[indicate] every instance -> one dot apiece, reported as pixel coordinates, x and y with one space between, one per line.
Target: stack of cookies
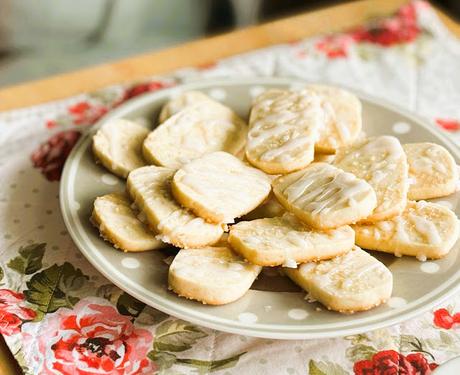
299 187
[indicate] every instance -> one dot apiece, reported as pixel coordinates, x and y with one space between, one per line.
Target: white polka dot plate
274 307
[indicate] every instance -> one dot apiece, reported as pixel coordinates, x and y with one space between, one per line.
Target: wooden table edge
201 51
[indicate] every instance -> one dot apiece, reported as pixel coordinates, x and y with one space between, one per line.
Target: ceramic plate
274 307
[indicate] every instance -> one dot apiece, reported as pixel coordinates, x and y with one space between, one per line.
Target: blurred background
46 37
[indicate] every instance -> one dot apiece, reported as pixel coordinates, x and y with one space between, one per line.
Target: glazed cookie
118 223
219 187
283 129
287 241
352 282
432 171
380 161
425 230
211 275
118 146
324 196
149 187
269 208
324 158
342 118
195 131
181 101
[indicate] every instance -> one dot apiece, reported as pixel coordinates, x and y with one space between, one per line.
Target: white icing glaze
150 189
222 186
426 228
325 189
283 125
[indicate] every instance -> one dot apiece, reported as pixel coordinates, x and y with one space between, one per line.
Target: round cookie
181 101
195 131
324 196
118 146
212 275
342 118
219 187
283 129
352 282
433 172
424 230
150 189
380 161
287 241
117 223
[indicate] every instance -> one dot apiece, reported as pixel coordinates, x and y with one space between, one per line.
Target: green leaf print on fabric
127 305
55 287
410 343
325 368
360 352
204 367
29 259
176 336
165 361
1 274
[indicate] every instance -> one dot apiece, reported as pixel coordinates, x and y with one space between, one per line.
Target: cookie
195 131
118 146
150 189
287 241
283 129
342 118
324 158
211 275
269 208
118 223
181 101
324 196
425 230
433 172
352 282
380 161
219 187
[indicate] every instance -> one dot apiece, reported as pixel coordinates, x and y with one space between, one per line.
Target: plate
274 307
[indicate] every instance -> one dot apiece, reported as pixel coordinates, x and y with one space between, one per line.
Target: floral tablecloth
60 316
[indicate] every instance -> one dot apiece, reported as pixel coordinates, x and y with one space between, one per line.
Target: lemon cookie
287 241
211 275
219 187
425 230
324 158
269 208
118 223
380 161
179 102
342 118
283 129
324 196
197 130
432 171
352 282
118 146
150 189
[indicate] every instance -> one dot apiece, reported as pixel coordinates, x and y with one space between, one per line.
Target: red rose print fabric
50 157
92 338
390 362
13 312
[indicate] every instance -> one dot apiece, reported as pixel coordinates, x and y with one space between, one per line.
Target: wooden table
201 52
195 53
